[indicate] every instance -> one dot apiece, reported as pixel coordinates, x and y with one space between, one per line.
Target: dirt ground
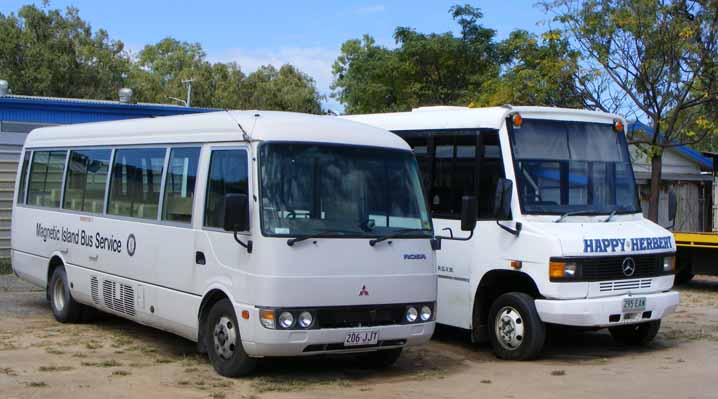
114 358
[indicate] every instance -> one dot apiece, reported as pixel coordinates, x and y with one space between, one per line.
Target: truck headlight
669 264
561 271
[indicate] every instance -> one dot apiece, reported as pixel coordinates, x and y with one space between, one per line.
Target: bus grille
95 290
360 316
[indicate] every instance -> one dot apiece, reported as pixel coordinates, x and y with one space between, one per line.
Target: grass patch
92 345
121 373
51 369
558 373
104 363
163 360
277 384
79 355
217 395
8 371
36 384
5 266
54 351
183 382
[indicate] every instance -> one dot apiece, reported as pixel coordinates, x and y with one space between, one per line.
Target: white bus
560 237
253 233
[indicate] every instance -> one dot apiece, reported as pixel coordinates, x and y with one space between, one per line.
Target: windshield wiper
394 234
574 213
319 234
608 219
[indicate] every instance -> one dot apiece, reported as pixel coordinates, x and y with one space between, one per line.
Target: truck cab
560 238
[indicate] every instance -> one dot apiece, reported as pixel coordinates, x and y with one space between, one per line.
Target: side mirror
469 212
672 209
236 212
502 200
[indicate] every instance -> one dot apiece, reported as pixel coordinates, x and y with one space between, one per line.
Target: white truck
560 237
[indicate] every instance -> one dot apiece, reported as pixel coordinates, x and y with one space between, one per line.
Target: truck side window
85 181
491 168
179 185
135 184
45 184
228 174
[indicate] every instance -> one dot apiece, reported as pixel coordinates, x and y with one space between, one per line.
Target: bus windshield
339 190
569 166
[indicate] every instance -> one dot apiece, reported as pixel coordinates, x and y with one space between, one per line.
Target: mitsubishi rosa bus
560 237
253 233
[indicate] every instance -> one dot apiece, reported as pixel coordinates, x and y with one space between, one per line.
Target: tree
54 53
425 69
535 71
649 58
285 89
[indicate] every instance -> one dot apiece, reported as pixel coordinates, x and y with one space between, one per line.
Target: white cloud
314 61
369 9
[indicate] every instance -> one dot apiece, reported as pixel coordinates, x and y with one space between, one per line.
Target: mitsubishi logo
363 291
628 267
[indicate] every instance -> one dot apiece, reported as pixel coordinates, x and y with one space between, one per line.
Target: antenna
245 135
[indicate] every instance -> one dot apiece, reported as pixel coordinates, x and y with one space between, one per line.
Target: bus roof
449 117
219 126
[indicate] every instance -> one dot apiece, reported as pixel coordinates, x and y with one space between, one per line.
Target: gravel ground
115 358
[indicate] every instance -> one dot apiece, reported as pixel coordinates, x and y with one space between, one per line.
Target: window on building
179 185
23 178
136 180
45 186
86 178
228 174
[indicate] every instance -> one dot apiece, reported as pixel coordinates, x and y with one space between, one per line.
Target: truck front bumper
606 311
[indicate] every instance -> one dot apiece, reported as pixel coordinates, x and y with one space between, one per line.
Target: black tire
511 313
636 334
64 307
225 350
380 359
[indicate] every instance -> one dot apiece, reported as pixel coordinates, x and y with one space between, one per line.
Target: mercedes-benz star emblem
629 267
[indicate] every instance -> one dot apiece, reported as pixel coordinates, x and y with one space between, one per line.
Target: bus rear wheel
515 329
636 334
64 307
224 343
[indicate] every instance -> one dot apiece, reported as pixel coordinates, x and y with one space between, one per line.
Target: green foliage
53 53
447 69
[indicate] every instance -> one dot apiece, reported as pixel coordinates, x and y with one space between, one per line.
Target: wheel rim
225 337
509 328
58 294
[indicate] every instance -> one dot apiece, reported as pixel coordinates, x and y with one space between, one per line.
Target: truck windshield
342 191
568 166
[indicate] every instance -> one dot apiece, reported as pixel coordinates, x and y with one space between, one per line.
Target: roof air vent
125 95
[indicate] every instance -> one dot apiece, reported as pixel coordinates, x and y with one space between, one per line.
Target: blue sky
305 33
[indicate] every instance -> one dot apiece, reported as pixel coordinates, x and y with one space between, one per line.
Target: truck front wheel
636 334
515 329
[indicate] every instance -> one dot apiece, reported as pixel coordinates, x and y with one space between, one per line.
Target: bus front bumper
606 311
268 342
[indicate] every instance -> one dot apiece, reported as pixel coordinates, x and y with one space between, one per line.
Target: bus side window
179 185
85 182
135 184
491 168
228 174
45 184
23 178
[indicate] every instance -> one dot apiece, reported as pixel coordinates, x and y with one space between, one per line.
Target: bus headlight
305 319
561 271
286 320
411 314
425 313
266 317
669 264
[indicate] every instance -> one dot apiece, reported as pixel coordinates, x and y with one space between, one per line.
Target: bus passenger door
219 255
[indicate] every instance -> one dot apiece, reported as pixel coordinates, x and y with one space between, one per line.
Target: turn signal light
562 270
618 126
517 120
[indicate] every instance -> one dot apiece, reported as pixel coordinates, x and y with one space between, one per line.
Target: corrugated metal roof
684 150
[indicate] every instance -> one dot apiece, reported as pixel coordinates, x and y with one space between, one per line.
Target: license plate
358 338
632 305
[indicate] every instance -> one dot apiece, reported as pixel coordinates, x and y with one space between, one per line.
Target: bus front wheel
224 343
515 329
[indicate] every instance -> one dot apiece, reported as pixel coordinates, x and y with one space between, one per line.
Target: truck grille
624 285
611 267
